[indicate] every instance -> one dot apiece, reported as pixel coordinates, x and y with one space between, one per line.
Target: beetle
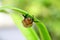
28 21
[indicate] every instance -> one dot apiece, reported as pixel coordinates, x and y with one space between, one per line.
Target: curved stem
16 9
42 29
29 33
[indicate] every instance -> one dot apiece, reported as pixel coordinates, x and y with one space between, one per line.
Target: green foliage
29 33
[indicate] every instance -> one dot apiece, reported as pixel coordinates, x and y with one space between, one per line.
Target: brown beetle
27 22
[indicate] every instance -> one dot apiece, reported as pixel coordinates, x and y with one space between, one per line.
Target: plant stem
16 9
42 29
29 33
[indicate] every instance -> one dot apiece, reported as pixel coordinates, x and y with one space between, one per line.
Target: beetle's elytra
27 22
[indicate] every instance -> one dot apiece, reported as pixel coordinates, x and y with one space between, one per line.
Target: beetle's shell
27 22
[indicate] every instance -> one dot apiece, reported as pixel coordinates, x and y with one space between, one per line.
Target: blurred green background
47 11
